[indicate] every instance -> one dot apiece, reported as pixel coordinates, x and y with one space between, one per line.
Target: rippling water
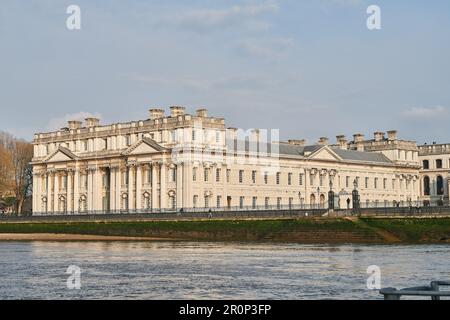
189 270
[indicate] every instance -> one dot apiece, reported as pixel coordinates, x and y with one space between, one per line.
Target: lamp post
318 197
331 196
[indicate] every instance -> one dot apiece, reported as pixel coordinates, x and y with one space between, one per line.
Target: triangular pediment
144 146
60 155
325 153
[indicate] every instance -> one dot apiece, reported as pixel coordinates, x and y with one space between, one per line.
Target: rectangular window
241 176
219 201
193 135
206 174
217 175
149 175
241 202
375 183
367 183
206 202
266 178
254 199
347 182
438 164
321 180
228 175
253 176
217 136
384 183
194 174
300 179
291 202
278 177
174 174
195 201
266 202
278 203
289 178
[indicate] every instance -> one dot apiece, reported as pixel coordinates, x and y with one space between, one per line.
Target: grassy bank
293 230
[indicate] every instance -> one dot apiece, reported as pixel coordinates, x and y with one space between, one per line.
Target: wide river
189 270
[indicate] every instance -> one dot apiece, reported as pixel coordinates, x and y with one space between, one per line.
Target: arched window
312 199
440 186
426 186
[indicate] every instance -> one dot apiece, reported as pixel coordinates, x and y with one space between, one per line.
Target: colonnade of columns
133 187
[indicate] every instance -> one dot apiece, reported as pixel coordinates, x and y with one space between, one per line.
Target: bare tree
6 172
22 153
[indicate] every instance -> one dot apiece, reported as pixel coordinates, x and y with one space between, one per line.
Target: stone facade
193 161
435 172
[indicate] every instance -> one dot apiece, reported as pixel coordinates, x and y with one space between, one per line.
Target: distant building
435 172
193 161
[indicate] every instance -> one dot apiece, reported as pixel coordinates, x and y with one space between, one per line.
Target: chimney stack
392 135
202 113
358 137
74 124
297 142
176 111
342 142
323 141
156 114
378 136
92 122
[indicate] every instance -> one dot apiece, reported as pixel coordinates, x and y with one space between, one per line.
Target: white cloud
60 122
206 19
425 112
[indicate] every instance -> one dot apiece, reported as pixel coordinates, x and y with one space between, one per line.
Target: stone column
154 187
97 190
49 192
186 186
179 195
163 191
89 191
112 189
55 193
131 188
118 187
35 192
69 192
76 190
138 187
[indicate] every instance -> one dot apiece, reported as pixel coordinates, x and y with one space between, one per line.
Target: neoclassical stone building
193 161
435 172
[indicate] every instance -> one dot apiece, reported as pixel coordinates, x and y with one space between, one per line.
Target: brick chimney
323 141
176 111
392 135
92 122
156 113
342 141
202 113
378 136
297 142
74 124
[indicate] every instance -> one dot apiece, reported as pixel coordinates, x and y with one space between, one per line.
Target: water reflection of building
192 161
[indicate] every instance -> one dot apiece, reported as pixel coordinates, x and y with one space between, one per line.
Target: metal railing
184 211
168 214
432 291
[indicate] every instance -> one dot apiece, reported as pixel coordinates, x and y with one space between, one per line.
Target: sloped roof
362 156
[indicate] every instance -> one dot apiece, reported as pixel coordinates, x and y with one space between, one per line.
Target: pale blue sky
308 67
